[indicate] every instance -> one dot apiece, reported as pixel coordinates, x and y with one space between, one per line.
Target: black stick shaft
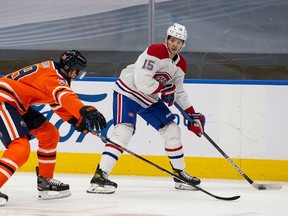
227 157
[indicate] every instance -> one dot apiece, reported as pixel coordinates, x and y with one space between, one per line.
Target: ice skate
101 184
51 188
3 199
188 178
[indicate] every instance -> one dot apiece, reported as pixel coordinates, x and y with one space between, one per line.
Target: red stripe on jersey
119 108
147 100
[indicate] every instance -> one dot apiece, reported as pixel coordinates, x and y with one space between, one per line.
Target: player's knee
24 151
53 132
171 134
122 133
47 135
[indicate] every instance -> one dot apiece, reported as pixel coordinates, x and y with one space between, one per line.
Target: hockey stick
161 168
269 186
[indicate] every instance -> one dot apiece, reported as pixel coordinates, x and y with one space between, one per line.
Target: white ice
144 196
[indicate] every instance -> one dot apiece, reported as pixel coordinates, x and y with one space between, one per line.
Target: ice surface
143 196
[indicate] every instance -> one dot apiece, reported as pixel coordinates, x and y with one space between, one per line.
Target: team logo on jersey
130 114
23 124
168 115
162 77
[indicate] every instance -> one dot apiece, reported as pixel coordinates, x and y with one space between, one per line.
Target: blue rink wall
247 119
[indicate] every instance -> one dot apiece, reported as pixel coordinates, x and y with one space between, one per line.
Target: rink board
240 118
80 163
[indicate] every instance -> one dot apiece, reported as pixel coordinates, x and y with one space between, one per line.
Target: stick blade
227 198
270 186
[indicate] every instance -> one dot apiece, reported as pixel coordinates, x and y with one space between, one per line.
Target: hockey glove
94 117
167 94
79 125
197 126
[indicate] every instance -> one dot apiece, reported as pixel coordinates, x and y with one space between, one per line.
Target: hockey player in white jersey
158 71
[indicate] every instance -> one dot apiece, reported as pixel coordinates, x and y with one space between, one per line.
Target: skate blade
3 201
49 195
95 188
181 186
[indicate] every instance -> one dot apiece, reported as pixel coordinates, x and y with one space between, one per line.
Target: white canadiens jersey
140 81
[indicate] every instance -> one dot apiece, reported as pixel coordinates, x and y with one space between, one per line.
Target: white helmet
177 31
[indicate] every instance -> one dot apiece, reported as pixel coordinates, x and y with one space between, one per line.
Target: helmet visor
81 73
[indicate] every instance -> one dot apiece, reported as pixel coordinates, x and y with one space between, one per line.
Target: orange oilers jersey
41 83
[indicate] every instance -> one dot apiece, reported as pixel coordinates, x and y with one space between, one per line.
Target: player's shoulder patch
182 63
63 81
158 50
46 64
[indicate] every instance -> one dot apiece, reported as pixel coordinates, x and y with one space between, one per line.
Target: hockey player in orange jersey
43 83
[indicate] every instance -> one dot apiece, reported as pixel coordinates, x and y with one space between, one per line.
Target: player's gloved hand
95 118
197 126
167 94
80 125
